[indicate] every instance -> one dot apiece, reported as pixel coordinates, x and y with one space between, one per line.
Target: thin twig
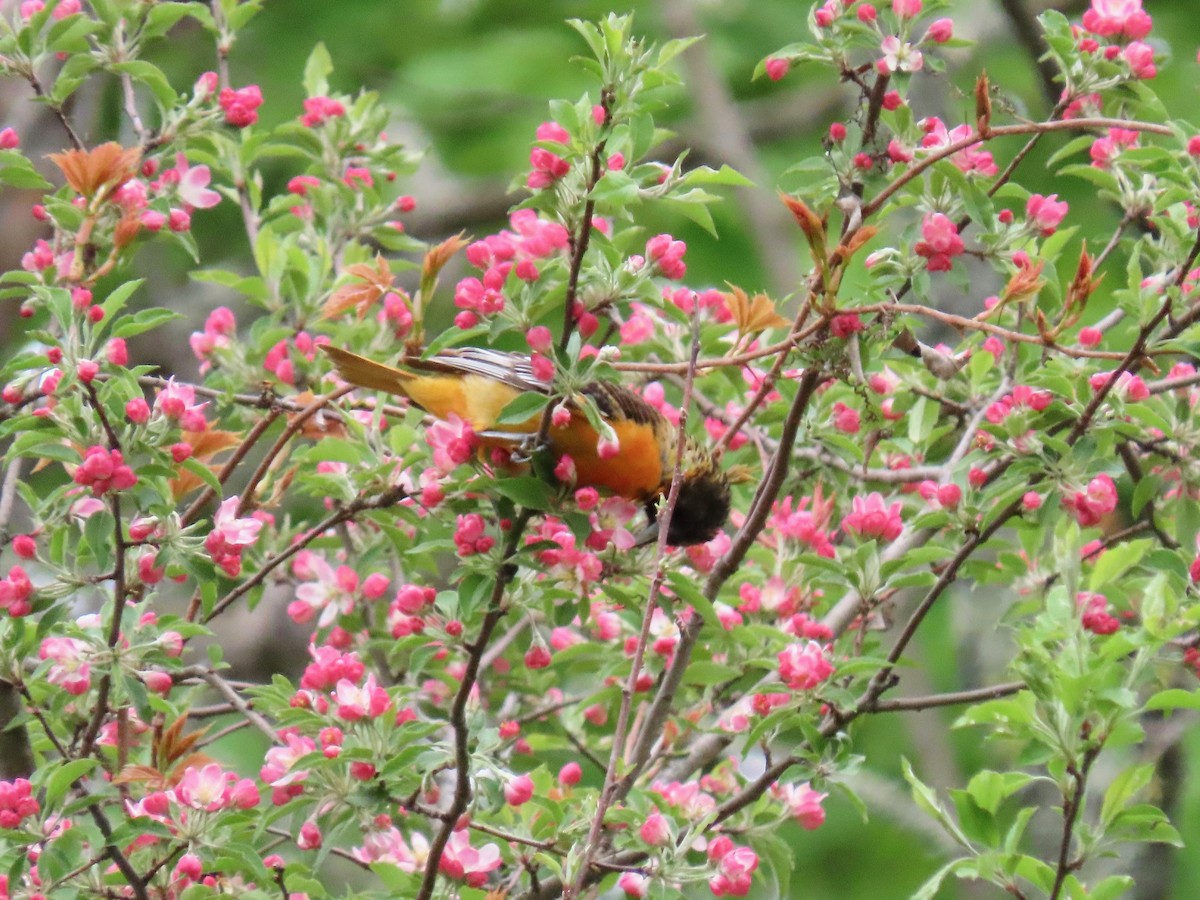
954 698
222 687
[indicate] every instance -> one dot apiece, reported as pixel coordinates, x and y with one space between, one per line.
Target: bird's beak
647 535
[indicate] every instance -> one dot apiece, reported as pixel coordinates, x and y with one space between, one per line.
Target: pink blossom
972 159
310 837
319 110
16 802
301 184
1128 387
803 666
178 402
803 803
241 105
845 324
1112 18
655 831
325 589
279 769
1140 58
906 9
940 243
103 471
870 517
1105 150
553 132
179 220
1095 616
70 670
940 30
845 418
737 866
518 790
461 861
539 339
547 168
189 867
1091 504
667 254
899 56
537 657
202 788
9 139
40 258
637 329
356 701
193 185
388 846
1045 213
453 442
776 67
470 535
230 536
570 774
633 884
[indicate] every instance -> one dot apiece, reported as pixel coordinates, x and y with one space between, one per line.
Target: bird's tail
367 373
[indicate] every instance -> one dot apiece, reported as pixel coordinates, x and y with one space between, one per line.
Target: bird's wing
513 369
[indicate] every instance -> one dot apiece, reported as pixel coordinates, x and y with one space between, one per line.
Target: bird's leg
522 447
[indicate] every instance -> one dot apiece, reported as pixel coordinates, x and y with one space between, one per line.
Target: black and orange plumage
476 384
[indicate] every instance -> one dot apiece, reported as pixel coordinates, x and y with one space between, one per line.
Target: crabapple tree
505 694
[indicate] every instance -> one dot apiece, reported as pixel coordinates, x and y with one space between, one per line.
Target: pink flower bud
569 775
940 30
518 790
776 67
655 831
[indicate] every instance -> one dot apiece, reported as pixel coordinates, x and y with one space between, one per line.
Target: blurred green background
468 82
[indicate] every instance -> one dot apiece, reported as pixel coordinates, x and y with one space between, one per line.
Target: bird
476 384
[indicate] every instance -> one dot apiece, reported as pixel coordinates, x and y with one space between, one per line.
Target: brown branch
56 108
232 463
458 711
1072 804
293 428
996 131
611 787
954 698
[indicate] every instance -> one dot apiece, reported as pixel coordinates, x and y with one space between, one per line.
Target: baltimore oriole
476 384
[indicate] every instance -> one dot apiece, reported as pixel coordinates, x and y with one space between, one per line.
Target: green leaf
204 473
723 175
64 776
522 409
990 788
1125 786
151 76
119 296
709 673
316 72
527 491
1147 489
18 172
1118 560
1110 887
143 321
1174 698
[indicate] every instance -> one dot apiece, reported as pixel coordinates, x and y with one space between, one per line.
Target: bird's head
701 507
